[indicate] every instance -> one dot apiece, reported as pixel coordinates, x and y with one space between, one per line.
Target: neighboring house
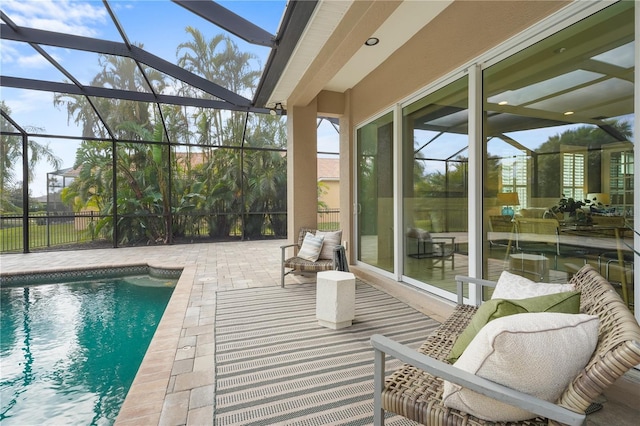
329 178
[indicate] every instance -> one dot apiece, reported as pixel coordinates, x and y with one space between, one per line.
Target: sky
158 24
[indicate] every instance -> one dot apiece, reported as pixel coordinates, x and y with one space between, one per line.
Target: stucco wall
460 33
332 195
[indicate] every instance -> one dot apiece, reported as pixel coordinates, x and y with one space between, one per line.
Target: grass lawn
42 236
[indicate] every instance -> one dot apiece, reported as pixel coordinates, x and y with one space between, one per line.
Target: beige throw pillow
535 353
567 302
512 286
331 240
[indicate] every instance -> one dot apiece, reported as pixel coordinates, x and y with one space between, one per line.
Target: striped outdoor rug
276 365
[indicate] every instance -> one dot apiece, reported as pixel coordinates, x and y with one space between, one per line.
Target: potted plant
572 210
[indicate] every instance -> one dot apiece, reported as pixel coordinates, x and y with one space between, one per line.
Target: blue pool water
69 352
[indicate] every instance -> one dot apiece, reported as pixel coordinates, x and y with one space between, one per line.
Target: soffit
326 17
405 21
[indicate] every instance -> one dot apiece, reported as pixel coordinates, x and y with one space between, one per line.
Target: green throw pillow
567 302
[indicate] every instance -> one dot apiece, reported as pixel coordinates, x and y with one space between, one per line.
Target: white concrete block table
532 266
335 299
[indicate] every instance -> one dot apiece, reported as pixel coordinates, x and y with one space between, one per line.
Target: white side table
335 299
532 266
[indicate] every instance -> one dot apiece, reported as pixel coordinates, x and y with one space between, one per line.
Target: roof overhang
331 54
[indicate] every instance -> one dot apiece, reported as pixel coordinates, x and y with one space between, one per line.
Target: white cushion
419 234
512 286
331 240
311 247
535 353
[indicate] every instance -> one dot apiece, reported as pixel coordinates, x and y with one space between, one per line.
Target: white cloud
27 102
33 61
9 52
119 5
66 16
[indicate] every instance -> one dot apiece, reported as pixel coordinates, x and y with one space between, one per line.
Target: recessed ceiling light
372 41
568 113
503 102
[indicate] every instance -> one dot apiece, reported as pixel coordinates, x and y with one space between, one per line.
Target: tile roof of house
328 168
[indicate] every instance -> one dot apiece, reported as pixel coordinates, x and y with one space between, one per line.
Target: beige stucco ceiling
398 23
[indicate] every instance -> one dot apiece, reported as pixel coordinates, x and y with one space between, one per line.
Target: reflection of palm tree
590 138
8 315
115 324
11 157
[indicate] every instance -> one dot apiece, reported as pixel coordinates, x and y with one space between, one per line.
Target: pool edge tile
163 351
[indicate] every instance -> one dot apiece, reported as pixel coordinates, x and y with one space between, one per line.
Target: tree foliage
187 174
11 155
588 137
591 138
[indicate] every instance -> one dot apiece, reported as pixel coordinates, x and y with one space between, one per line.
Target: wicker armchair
297 264
415 390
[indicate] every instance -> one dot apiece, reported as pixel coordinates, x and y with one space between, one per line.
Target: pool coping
160 392
84 274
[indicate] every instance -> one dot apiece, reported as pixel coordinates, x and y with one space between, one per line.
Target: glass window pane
375 193
559 131
435 184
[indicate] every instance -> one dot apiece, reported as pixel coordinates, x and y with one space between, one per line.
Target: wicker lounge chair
298 264
414 393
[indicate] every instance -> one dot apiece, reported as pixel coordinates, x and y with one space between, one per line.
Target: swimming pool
69 352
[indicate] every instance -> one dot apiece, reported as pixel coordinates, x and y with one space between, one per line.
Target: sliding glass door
558 133
435 180
375 193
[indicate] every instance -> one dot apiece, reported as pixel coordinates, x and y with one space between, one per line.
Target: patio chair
415 390
437 249
297 264
535 235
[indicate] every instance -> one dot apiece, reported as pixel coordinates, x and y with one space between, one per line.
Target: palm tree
148 184
220 61
142 185
266 177
11 156
117 72
127 120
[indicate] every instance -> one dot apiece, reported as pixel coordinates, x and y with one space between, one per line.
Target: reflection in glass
375 193
559 120
435 183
